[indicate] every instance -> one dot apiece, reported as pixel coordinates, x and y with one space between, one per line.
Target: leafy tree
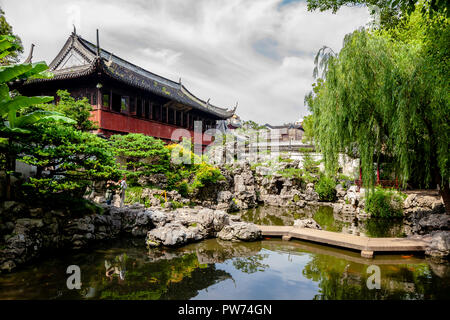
252 125
13 126
78 110
13 52
386 95
390 12
140 154
67 160
307 125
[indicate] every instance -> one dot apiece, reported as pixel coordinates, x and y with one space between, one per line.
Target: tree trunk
444 191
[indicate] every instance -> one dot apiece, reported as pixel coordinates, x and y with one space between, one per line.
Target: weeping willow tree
386 96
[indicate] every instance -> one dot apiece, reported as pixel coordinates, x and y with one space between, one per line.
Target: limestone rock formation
307 223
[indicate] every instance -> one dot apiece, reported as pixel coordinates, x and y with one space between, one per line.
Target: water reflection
214 269
327 219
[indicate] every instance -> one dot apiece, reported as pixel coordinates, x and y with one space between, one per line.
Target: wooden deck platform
366 245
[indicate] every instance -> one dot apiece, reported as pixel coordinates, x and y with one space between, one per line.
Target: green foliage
144 156
251 264
390 12
206 176
342 177
383 203
308 136
140 155
67 160
176 205
385 96
292 173
253 166
11 55
183 188
310 165
14 125
78 110
306 150
252 125
283 159
133 194
325 187
161 199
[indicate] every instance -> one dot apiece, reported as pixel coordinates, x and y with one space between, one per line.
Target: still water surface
214 269
327 219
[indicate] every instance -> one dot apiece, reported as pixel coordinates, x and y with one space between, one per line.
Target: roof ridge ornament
179 80
109 62
30 55
74 29
98 45
235 107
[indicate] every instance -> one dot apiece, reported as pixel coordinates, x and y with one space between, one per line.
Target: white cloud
256 52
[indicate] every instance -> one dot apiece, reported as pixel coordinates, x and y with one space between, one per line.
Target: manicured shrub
206 176
325 187
183 188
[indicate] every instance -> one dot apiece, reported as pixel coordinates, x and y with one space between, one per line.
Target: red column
378 173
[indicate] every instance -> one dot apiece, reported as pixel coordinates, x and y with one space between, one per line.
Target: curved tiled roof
123 70
127 72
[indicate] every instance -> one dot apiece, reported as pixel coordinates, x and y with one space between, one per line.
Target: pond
327 219
214 269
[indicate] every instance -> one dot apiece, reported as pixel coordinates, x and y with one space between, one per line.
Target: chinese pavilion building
125 97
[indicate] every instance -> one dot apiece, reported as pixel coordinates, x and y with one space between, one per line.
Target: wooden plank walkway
366 245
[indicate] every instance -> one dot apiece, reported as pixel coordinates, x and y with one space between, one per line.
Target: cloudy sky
257 52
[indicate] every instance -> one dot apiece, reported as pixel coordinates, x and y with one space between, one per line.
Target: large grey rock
212 220
263 171
310 194
307 223
416 202
440 245
340 192
352 196
237 231
433 222
159 218
174 234
225 201
410 201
